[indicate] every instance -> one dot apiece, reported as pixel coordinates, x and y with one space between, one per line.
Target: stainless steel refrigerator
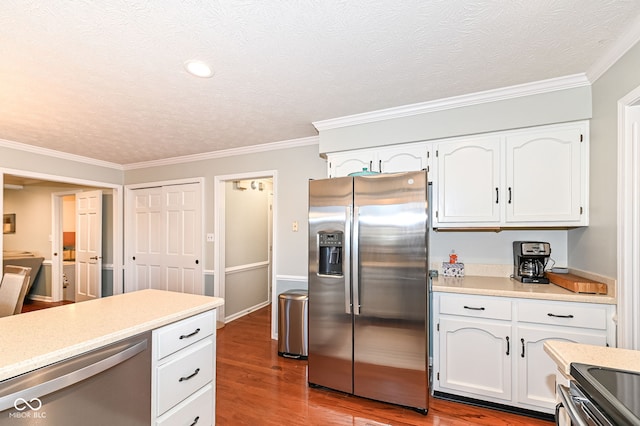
368 291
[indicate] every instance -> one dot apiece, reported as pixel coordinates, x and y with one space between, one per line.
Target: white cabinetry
491 348
391 159
546 175
468 181
529 177
481 327
183 378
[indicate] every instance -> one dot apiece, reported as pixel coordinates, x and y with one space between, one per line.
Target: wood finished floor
34 305
257 387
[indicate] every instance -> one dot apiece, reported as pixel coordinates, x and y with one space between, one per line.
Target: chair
13 289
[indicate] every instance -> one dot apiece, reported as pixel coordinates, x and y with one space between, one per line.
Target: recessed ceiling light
198 68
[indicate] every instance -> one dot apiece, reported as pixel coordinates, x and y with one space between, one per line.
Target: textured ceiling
105 79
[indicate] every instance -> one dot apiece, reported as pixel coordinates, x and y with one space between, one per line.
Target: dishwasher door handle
73 377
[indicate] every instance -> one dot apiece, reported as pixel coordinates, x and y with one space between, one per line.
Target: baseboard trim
39 298
494 406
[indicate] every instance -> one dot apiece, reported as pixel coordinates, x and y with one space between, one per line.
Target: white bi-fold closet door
164 246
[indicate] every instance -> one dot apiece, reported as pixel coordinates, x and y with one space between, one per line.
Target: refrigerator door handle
355 262
346 265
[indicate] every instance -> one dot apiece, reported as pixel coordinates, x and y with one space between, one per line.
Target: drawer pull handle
474 309
182 379
522 354
508 345
560 316
186 336
195 421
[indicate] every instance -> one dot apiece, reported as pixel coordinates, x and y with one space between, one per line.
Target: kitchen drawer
196 410
474 306
174 337
565 314
184 373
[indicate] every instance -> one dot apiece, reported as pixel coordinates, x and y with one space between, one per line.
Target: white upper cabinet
344 163
391 159
545 175
402 158
525 178
535 177
468 181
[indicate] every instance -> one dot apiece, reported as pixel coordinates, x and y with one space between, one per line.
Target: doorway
629 220
244 244
51 245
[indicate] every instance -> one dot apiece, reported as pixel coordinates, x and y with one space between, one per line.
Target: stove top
615 392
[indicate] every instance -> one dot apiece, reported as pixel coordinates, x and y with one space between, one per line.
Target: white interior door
88 245
147 241
182 263
166 229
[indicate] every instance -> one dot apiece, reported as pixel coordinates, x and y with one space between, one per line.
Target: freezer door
390 296
330 320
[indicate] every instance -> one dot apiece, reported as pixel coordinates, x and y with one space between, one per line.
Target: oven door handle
32 393
566 401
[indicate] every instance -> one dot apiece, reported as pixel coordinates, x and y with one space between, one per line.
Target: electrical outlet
294 226
210 238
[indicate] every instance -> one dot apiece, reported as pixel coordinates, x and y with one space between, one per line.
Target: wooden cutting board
577 284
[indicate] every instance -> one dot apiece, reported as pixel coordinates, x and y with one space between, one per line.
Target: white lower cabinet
491 348
489 373
183 379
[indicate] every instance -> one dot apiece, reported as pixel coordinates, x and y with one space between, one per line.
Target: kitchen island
180 327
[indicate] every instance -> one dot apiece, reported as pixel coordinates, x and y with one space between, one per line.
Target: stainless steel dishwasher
107 386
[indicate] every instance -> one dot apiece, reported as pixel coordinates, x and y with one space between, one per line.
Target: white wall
594 248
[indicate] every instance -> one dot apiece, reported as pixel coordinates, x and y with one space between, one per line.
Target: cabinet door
401 159
475 357
350 162
536 370
545 175
468 182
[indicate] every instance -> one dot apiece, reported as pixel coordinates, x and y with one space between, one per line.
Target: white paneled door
88 245
167 252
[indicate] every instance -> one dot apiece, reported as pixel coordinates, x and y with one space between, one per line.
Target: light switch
294 226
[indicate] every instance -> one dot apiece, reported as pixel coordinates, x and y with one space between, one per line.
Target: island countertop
35 339
507 287
564 353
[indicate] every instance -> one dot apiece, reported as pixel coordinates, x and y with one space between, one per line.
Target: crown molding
58 154
291 143
516 91
621 46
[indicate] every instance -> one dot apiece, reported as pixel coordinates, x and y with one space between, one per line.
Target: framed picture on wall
9 223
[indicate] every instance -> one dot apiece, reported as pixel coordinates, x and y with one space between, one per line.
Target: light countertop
507 287
564 353
32 340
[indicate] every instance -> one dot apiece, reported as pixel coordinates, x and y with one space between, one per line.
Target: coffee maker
529 260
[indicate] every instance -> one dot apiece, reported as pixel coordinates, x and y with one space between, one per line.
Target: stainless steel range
600 396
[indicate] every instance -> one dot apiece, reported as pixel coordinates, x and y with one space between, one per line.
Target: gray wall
39 163
533 110
294 166
594 248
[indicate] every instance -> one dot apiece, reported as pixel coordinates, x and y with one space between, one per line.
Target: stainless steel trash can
293 308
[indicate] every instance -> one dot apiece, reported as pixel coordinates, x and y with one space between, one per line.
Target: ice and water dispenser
330 254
